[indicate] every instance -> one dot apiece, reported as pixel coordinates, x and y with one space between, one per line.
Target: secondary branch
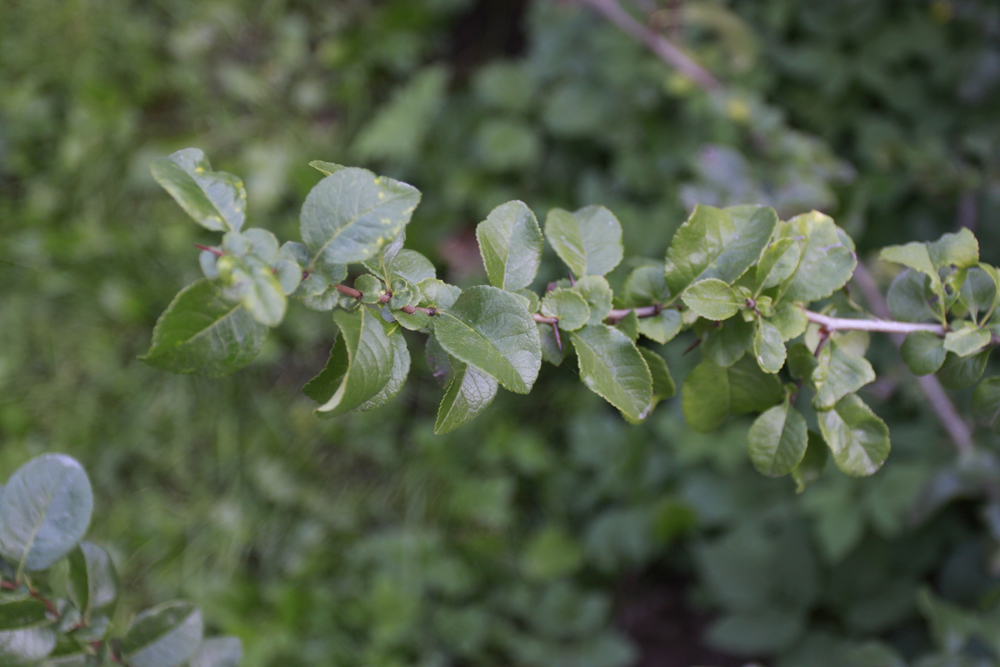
877 325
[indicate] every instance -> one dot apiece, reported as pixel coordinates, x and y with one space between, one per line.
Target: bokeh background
547 533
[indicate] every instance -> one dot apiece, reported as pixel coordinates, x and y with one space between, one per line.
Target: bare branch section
666 50
879 325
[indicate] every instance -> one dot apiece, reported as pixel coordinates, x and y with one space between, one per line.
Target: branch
879 325
666 50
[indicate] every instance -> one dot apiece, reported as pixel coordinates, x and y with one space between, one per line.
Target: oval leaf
712 393
857 437
568 306
812 464
960 372
469 392
827 262
93 582
838 374
510 242
216 200
492 330
769 348
164 636
778 440
22 614
589 240
45 509
923 352
397 376
612 367
712 299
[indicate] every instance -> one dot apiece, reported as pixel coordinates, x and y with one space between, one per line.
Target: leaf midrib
346 225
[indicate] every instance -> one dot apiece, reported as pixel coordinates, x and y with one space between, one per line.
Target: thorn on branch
555 331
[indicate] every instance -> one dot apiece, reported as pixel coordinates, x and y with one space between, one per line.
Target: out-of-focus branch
666 50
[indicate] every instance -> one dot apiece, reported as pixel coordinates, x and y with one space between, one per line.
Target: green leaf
857 437
646 286
917 257
598 294
164 636
980 290
438 294
812 464
569 306
960 250
438 361
827 262
713 299
255 286
397 376
801 362
629 325
204 332
726 344
93 582
22 614
21 648
352 213
413 266
612 367
757 632
712 393
960 372
551 350
768 347
777 263
789 319
492 330
589 240
214 199
551 553
777 440
511 245
908 297
966 340
663 382
986 402
923 352
469 391
45 509
662 327
326 168
218 652
717 243
361 364
837 374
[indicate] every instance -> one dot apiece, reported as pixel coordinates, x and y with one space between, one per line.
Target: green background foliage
369 540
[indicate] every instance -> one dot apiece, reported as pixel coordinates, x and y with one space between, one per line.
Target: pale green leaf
857 437
662 327
568 305
923 352
715 243
966 340
45 509
768 347
218 652
255 286
589 240
597 292
492 330
790 320
713 299
777 263
917 257
777 440
352 213
826 263
214 199
326 168
712 393
612 367
25 647
838 374
437 293
646 286
510 243
959 249
468 393
164 636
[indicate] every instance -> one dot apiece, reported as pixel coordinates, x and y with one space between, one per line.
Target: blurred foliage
370 541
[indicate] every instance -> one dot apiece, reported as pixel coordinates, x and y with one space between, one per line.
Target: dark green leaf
568 305
164 636
552 352
511 246
857 437
727 343
908 299
646 286
986 402
712 299
979 292
801 362
92 581
712 393
777 263
757 632
218 652
492 330
204 332
663 382
216 200
777 440
717 243
768 347
45 509
352 213
827 262
469 392
923 352
838 374
960 372
612 367
397 376
22 614
812 464
589 240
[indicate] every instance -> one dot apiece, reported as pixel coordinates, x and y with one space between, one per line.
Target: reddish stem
214 251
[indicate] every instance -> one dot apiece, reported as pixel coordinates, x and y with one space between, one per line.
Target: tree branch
878 325
666 50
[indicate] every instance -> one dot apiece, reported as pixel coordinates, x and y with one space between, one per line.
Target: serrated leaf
352 213
789 319
986 402
326 168
45 509
164 636
510 243
662 327
837 374
777 263
768 347
492 330
646 286
469 391
813 462
412 266
908 299
857 437
589 240
22 614
712 299
826 263
727 343
717 243
397 376
204 332
960 372
923 352
612 367
218 652
599 296
93 582
360 365
777 440
966 340
568 305
214 199
959 249
712 393
255 286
